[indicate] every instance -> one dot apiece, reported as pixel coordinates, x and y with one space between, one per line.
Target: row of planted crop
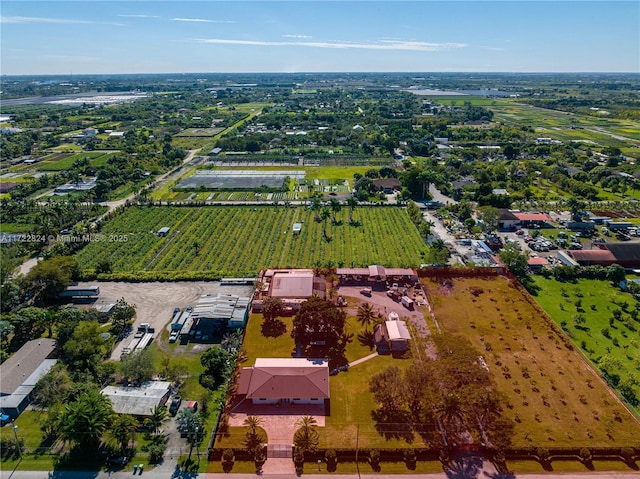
249 238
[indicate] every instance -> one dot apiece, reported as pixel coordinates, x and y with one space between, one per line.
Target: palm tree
315 206
352 202
451 413
325 214
190 424
157 418
366 315
254 439
306 438
253 423
335 206
123 431
84 420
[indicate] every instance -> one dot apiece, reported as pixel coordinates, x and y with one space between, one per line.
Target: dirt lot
386 305
155 301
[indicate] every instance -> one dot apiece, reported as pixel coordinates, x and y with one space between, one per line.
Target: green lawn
351 405
596 302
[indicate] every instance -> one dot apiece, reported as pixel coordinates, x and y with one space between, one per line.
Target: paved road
176 473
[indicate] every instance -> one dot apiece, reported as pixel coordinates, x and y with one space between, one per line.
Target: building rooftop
281 378
138 401
29 359
295 283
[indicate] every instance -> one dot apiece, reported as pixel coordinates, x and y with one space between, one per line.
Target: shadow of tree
393 425
464 467
273 328
365 338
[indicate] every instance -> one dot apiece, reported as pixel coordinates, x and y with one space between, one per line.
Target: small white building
297 227
140 400
392 336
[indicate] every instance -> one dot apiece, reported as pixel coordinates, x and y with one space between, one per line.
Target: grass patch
609 343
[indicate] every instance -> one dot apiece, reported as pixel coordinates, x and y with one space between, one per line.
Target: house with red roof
285 381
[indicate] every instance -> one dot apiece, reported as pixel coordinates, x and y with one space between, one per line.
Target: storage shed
164 231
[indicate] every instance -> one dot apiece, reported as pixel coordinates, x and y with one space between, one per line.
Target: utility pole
15 434
357 449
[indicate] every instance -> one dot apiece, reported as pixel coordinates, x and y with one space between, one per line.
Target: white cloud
53 21
139 16
38 20
200 20
297 36
384 45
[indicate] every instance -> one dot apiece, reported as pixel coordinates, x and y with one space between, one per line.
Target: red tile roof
281 378
532 216
599 255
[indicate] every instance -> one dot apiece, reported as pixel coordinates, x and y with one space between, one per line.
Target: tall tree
352 204
272 308
318 320
366 315
336 207
190 424
306 437
122 315
138 366
85 420
123 430
49 278
86 348
159 416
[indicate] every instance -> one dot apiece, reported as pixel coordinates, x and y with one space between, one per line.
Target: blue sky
64 37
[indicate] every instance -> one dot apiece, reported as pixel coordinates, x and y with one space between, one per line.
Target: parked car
4 419
193 405
118 460
366 291
175 405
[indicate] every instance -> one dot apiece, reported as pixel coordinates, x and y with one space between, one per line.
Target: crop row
239 240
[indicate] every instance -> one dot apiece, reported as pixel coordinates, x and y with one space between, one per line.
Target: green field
239 241
554 396
596 302
64 161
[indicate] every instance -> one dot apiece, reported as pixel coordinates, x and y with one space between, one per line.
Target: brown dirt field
555 398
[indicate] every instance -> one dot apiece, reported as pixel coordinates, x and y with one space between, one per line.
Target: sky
156 36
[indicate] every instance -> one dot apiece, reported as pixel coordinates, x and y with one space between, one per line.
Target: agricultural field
554 396
65 161
599 319
239 241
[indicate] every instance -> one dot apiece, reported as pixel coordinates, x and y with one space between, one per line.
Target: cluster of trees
443 400
319 331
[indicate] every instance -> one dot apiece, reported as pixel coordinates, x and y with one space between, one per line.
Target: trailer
144 343
407 302
81 292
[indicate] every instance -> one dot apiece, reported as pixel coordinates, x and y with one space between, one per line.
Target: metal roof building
138 401
20 373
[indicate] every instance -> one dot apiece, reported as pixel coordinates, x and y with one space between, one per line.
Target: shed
297 227
164 231
392 336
